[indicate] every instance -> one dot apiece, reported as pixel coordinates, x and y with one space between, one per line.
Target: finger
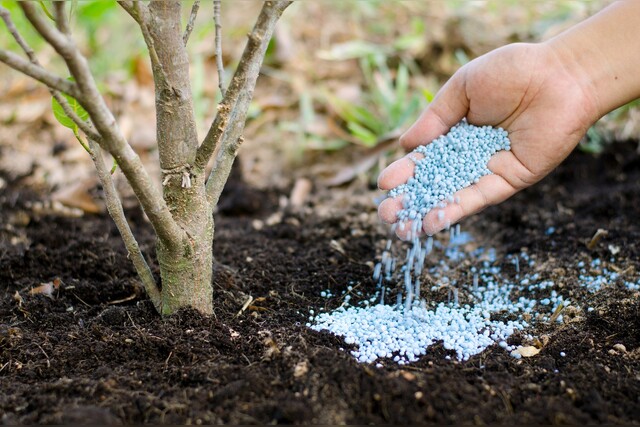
448 107
389 208
388 212
398 172
489 190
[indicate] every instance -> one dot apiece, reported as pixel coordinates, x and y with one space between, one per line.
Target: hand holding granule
546 96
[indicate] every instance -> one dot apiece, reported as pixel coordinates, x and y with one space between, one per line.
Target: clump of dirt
91 349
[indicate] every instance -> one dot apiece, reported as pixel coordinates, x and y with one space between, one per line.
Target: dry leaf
142 71
46 288
18 298
77 196
527 351
600 233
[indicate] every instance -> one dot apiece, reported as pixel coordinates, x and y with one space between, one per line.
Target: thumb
448 107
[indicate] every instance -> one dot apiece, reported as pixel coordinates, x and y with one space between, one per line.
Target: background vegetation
341 80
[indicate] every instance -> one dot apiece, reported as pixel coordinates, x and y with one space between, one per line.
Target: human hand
528 90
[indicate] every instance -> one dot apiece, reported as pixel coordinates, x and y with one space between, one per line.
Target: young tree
182 213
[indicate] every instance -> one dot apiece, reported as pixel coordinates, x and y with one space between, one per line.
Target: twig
125 299
61 19
32 69
83 125
112 140
25 67
130 8
245 305
166 362
600 233
556 313
233 108
114 206
140 13
218 35
45 354
192 21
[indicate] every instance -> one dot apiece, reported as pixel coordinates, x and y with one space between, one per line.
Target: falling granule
448 164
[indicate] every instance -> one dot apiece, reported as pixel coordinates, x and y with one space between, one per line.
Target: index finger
398 172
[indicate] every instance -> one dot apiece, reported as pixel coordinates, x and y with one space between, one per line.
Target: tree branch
112 140
218 24
232 111
192 21
175 119
49 79
126 5
61 19
32 69
114 206
140 13
87 128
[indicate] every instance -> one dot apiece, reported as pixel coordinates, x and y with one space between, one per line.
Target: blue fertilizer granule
448 164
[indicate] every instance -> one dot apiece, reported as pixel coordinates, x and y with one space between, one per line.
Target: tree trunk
185 266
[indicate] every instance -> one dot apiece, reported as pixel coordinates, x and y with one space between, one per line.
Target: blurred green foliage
107 35
384 51
388 102
62 117
386 106
608 129
25 29
593 142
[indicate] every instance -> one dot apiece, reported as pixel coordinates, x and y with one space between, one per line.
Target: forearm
603 52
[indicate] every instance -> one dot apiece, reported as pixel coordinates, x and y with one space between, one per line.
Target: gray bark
186 267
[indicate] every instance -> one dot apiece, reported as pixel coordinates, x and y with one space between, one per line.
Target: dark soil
96 352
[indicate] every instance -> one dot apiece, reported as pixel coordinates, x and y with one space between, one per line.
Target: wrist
601 55
568 63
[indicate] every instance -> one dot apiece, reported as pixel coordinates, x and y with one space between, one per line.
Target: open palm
523 88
